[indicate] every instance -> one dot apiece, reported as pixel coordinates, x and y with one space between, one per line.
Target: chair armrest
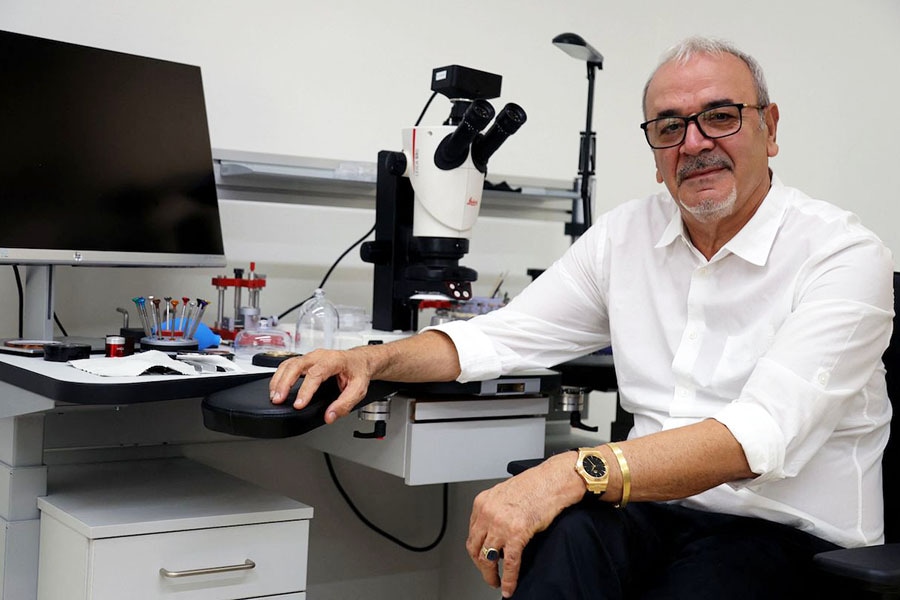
875 567
517 466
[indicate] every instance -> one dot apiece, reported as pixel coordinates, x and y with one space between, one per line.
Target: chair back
891 462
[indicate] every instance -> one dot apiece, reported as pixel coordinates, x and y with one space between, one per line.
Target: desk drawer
132 564
470 450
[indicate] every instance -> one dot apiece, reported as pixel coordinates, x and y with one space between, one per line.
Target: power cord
377 529
328 462
427 104
328 274
358 242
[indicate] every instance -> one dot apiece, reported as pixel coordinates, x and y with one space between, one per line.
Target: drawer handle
245 566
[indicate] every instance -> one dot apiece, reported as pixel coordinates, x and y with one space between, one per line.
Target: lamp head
575 46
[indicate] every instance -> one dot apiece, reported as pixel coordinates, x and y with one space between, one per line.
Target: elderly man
747 323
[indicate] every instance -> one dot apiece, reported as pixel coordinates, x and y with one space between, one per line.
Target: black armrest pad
877 566
245 410
517 466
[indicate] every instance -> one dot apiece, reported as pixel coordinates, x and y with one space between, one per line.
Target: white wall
339 79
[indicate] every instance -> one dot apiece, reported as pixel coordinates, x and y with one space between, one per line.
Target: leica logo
471 202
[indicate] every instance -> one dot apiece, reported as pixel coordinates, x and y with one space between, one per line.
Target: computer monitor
105 160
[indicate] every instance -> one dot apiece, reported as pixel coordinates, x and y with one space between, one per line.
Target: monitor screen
105 159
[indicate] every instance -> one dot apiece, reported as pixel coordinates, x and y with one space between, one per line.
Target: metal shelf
264 177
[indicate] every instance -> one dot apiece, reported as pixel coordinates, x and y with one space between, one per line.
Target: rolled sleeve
477 359
760 437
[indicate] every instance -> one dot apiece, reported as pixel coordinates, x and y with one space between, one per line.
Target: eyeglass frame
696 120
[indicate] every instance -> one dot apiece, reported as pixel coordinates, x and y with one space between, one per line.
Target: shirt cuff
759 436
477 359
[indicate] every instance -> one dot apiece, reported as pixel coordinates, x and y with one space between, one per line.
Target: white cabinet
168 529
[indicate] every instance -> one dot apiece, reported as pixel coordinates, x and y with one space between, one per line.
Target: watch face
594 466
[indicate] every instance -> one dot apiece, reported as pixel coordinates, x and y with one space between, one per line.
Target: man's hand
428 356
508 515
350 367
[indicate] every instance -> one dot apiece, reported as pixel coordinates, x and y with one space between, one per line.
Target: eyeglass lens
713 123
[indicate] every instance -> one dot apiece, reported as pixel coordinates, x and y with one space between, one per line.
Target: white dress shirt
779 337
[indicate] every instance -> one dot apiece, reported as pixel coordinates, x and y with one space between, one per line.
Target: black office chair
875 570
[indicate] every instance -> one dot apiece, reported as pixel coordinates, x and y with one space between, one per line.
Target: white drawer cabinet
170 529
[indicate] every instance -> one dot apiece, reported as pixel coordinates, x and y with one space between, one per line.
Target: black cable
427 104
21 301
327 456
328 274
341 257
60 325
358 242
380 531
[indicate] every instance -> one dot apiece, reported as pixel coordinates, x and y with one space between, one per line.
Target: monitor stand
37 309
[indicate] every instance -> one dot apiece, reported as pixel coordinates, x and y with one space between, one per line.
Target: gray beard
712 210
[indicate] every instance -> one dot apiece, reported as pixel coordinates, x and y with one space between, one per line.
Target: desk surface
62 382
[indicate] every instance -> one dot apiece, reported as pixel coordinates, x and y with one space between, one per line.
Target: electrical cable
358 242
331 471
427 104
328 274
377 529
59 324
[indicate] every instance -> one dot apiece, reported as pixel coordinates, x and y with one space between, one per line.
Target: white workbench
29 387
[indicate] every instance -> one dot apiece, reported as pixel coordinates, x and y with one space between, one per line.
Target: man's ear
772 127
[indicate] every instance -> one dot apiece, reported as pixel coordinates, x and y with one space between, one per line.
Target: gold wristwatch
593 469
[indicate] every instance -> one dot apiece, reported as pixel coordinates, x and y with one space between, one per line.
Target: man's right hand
351 367
428 356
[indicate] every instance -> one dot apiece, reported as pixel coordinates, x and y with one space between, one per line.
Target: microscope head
447 164
429 195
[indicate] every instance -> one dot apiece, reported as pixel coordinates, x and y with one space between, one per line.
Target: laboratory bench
97 507
95 494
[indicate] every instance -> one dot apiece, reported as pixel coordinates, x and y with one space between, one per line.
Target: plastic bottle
316 325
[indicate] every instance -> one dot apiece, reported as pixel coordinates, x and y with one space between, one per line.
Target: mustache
694 164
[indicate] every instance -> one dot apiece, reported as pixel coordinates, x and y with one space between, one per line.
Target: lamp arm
586 159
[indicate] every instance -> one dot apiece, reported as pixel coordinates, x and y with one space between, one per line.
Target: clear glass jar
260 337
316 325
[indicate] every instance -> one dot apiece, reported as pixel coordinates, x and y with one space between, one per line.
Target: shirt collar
754 241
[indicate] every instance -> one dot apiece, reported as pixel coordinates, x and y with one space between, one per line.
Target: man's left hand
506 516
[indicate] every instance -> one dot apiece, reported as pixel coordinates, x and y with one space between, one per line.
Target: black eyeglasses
713 123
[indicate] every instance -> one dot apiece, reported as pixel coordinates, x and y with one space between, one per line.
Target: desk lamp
575 46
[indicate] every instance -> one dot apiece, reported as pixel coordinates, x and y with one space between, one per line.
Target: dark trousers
650 551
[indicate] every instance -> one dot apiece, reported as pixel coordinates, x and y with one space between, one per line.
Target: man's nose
694 140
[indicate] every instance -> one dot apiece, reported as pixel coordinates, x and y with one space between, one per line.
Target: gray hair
682 52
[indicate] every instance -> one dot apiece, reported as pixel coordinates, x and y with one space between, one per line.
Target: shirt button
704 271
692 335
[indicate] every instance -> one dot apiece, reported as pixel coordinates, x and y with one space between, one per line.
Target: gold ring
490 554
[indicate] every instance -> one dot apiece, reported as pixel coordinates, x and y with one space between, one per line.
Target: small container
317 324
115 346
260 337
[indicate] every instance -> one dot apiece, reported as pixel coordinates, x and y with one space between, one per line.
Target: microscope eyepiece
454 149
508 122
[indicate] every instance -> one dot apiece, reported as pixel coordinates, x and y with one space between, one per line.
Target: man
747 323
